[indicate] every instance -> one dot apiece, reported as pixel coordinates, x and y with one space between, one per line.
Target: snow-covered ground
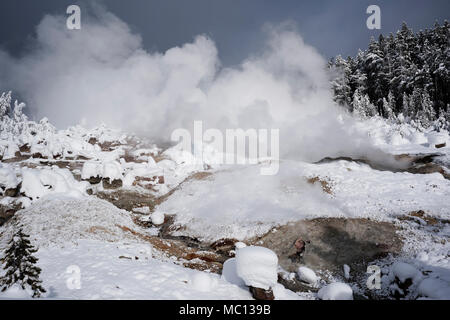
77 231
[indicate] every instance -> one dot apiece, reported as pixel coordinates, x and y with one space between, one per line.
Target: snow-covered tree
5 104
407 110
426 112
389 106
404 65
20 265
362 107
341 84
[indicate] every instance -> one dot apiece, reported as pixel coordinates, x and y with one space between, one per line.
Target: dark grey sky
332 26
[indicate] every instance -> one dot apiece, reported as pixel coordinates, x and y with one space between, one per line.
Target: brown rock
38 155
261 294
440 145
94 180
12 192
224 246
25 148
148 182
114 184
92 140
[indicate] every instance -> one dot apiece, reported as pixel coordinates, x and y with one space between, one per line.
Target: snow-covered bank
240 203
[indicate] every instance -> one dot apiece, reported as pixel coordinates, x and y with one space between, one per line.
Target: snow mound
404 271
59 220
257 266
336 291
307 275
37 183
157 218
434 289
8 178
229 273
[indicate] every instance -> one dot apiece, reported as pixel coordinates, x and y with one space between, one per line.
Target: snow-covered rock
257 266
336 291
91 169
112 170
157 218
404 271
38 183
307 275
239 245
346 271
8 178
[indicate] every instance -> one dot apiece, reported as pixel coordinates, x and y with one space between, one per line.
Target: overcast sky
332 26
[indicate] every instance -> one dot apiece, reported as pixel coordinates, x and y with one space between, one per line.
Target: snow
239 245
15 292
61 219
142 170
229 273
336 291
157 218
234 202
103 275
142 210
404 271
434 289
91 169
257 266
8 178
41 182
203 282
307 275
112 170
71 228
346 271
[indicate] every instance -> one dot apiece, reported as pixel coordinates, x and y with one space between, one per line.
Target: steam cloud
101 73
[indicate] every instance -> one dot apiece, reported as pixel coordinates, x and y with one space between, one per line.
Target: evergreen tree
426 112
20 265
405 72
5 104
341 84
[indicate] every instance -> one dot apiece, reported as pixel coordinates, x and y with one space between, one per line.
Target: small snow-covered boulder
336 291
437 140
307 275
157 218
32 186
404 271
257 266
9 182
239 245
229 273
92 170
346 271
112 170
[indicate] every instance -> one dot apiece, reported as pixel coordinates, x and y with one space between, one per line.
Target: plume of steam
102 74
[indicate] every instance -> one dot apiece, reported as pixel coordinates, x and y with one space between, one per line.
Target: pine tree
426 112
5 104
20 265
407 110
341 85
398 65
